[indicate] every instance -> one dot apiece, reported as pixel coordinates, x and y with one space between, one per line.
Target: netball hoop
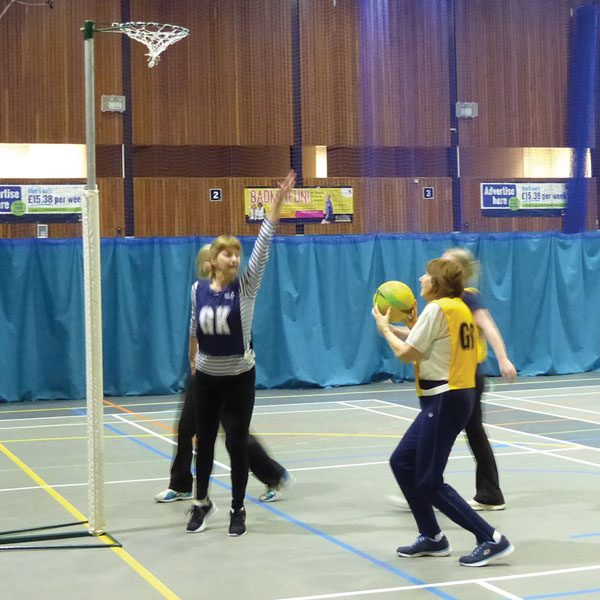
157 38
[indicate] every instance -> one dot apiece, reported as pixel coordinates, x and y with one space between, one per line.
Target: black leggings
228 400
264 467
486 479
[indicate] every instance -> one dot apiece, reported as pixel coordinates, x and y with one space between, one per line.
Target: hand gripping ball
396 295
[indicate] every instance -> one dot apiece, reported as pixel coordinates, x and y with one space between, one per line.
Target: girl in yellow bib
442 344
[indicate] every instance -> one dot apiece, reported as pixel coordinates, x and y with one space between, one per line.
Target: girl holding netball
442 345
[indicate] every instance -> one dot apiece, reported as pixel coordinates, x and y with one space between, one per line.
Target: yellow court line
530 422
160 587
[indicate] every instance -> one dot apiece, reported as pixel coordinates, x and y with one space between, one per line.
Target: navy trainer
487 551
425 546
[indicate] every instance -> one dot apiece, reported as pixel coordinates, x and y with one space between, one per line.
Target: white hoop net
157 37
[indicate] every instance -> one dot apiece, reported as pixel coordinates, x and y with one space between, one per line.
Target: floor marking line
499 591
131 412
325 393
536 435
541 412
151 579
292 470
161 437
450 583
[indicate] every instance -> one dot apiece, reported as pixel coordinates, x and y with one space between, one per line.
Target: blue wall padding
312 323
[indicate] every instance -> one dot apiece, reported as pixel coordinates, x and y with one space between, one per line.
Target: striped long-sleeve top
222 321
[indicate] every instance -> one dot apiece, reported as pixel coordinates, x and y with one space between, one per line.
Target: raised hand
283 193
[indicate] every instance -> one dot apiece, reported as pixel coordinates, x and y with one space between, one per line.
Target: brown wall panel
42 75
329 72
405 74
227 83
168 207
219 104
396 205
512 60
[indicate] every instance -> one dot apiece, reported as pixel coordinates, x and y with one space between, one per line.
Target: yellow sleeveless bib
463 344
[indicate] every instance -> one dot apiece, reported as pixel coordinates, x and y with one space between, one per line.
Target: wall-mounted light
42 161
467 110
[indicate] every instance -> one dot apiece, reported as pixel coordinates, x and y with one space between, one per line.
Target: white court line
83 423
442 584
53 425
570 394
378 412
528 434
552 405
85 483
592 388
394 388
525 449
162 437
499 591
293 470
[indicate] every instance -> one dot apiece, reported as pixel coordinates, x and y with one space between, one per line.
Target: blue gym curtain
312 324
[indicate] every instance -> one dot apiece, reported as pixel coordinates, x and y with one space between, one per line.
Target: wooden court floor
334 534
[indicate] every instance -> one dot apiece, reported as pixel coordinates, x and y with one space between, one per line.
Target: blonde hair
465 260
202 257
447 279
220 243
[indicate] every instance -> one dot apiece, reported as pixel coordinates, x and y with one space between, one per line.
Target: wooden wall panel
227 83
512 60
396 205
329 47
404 72
168 207
374 74
42 75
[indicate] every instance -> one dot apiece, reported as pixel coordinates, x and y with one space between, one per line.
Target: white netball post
157 37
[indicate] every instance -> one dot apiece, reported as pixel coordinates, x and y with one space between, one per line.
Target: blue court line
333 540
586 535
129 437
562 594
309 528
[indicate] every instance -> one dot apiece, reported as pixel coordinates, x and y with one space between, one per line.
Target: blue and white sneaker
276 491
170 495
425 546
487 551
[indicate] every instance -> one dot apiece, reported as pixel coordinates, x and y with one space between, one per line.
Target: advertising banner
32 203
523 199
305 205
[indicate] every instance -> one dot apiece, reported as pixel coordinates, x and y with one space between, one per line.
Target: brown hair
220 243
465 259
447 279
202 257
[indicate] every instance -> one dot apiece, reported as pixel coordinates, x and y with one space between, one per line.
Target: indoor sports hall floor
334 535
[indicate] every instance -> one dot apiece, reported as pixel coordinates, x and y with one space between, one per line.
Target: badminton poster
305 205
27 203
523 199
